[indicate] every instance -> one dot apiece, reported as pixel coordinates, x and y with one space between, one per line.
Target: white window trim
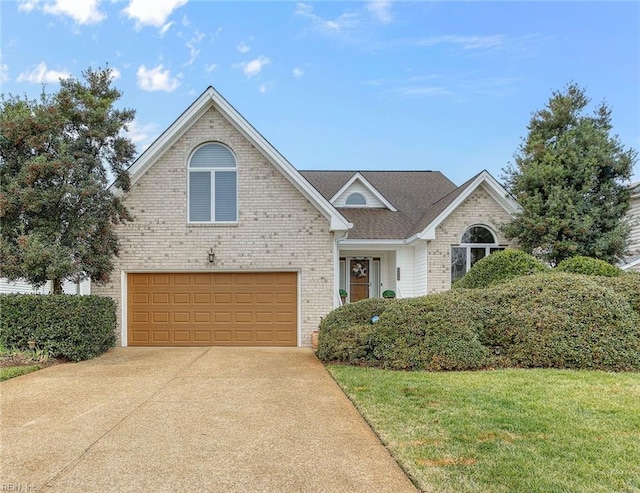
468 246
346 204
211 170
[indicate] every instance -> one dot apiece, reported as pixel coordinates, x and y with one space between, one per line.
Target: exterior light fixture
398 274
212 256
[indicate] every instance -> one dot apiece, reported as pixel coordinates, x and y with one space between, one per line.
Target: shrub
627 285
71 327
559 320
500 267
428 333
545 320
344 332
588 266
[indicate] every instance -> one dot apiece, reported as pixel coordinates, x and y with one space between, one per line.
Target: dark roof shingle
419 196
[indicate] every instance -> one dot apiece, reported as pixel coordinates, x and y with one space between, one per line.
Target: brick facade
278 228
479 208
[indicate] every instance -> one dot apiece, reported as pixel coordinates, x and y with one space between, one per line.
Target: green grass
505 431
16 371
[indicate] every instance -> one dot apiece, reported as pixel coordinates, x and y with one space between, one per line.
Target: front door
359 279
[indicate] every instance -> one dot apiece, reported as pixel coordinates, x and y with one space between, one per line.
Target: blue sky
446 86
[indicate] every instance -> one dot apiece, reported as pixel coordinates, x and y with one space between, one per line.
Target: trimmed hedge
627 285
547 320
500 267
67 326
559 320
432 333
345 331
588 266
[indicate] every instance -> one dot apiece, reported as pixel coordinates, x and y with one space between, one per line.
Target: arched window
355 199
213 193
476 243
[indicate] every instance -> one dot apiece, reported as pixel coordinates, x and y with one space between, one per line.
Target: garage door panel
201 336
202 317
160 298
181 298
183 309
222 317
159 279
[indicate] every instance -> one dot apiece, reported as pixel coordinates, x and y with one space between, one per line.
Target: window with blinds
213 187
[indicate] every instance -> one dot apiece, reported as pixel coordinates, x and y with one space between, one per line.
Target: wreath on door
359 270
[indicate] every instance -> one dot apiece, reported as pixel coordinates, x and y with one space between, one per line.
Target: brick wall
477 209
278 229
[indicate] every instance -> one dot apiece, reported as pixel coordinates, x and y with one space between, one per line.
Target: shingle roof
419 197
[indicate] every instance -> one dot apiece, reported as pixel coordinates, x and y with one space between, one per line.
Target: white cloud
151 12
41 74
83 12
298 72
115 73
142 135
27 5
4 73
345 21
381 10
156 79
262 88
165 28
253 67
210 68
193 47
243 48
465 42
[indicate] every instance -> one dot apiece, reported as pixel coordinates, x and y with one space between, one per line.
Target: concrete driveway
189 419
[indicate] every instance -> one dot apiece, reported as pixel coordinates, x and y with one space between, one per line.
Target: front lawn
505 430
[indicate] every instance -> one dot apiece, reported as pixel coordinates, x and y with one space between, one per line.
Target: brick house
231 245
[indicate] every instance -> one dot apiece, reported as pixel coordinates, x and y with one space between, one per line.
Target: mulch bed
18 359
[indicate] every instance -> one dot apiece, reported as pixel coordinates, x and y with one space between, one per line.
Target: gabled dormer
358 192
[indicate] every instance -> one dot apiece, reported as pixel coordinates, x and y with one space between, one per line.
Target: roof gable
426 229
411 193
211 98
359 184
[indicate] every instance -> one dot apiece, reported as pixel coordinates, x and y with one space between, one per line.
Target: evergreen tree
570 176
56 212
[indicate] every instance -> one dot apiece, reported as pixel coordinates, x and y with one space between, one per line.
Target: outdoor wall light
212 256
398 274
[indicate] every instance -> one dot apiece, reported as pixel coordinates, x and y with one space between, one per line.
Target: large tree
570 176
57 154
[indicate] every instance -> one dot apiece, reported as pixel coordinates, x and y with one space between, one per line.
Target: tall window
476 243
213 191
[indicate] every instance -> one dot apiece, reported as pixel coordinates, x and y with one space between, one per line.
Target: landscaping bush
70 327
545 320
559 320
433 333
588 266
627 285
500 267
344 332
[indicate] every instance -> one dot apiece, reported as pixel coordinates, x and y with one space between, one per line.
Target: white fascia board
358 177
497 192
371 244
167 138
211 97
337 221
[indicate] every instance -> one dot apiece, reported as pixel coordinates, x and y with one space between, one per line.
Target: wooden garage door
212 309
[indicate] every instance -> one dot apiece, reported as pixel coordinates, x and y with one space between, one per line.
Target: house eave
495 190
211 98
